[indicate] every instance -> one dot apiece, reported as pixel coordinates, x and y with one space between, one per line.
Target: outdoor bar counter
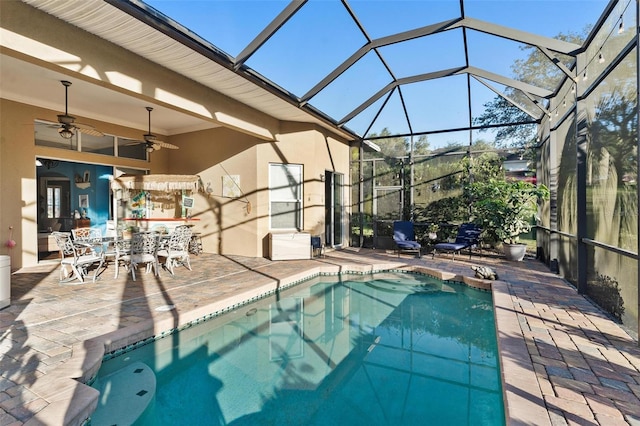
146 224
149 202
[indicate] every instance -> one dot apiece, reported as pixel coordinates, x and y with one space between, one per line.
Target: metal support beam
524 87
550 43
557 62
513 102
581 196
268 32
374 44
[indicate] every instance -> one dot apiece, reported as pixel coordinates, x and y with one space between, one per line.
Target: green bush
505 209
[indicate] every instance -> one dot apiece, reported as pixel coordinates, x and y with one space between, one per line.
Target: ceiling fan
152 142
68 124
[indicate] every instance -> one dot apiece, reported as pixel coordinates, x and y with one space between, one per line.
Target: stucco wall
226 225
240 225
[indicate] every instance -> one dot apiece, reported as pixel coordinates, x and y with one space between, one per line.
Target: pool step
124 395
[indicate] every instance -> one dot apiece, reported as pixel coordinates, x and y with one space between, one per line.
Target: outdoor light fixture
621 26
584 76
600 58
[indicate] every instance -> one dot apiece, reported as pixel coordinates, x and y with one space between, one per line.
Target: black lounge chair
405 238
468 236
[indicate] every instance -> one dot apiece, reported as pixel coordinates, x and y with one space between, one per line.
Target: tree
613 131
535 69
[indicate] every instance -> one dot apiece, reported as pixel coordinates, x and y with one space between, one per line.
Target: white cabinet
289 245
5 281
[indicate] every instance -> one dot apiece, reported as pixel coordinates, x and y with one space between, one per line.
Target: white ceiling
34 85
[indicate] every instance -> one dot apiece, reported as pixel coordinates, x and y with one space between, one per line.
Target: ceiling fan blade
131 142
165 144
88 130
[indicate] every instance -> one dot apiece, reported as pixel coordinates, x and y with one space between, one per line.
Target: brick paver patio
563 360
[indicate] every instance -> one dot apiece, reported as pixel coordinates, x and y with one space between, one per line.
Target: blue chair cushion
451 246
408 244
468 236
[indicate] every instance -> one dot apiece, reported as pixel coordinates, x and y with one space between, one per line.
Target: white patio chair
176 248
91 237
143 250
72 258
122 249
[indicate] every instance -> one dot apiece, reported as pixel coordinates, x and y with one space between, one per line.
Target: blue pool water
388 349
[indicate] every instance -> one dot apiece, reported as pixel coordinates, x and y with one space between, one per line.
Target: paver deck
563 360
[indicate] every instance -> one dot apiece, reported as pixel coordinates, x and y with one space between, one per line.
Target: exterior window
131 148
285 194
97 144
46 134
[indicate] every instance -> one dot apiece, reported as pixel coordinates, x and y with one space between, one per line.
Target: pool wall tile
146 332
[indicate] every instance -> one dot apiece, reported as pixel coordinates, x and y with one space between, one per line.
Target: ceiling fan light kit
65 132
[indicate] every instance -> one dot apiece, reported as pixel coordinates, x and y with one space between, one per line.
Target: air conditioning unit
289 245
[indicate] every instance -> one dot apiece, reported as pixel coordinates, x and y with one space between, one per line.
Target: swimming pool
389 349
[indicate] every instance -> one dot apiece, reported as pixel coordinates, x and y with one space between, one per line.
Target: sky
323 34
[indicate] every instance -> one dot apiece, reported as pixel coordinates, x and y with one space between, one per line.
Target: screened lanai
423 85
420 86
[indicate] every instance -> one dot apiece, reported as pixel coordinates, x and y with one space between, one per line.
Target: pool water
388 349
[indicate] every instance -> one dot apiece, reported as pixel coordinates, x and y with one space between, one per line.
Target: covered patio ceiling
357 67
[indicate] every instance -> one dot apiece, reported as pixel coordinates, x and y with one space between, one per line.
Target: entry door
334 208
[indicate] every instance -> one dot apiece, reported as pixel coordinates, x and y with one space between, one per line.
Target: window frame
275 195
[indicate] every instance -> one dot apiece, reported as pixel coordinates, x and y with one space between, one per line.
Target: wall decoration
83 201
187 202
231 186
83 182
